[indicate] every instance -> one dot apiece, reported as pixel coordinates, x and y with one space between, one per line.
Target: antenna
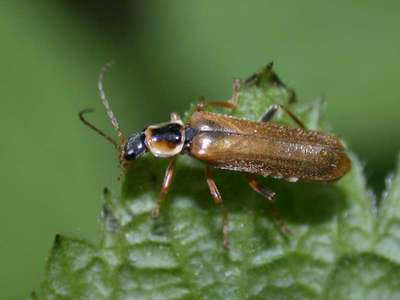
90 125
106 104
119 146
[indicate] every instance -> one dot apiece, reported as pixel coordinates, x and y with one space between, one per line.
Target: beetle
225 142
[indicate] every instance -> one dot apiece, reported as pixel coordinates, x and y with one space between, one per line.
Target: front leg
230 104
175 118
169 176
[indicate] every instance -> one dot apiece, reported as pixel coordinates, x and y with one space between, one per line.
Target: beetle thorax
165 140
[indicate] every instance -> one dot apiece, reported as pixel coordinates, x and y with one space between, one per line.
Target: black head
135 146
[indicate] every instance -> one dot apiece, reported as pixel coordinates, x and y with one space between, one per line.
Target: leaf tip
107 195
58 239
267 76
33 296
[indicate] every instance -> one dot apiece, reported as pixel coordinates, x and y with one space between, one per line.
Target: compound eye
135 147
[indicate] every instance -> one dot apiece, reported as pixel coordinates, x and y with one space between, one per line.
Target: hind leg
268 194
272 110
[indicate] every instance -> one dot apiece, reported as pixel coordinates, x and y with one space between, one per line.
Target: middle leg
215 194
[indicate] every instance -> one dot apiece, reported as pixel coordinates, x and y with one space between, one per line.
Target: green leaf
342 246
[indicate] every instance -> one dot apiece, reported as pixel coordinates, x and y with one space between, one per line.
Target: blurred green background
168 53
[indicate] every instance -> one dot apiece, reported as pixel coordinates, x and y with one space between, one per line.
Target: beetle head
135 146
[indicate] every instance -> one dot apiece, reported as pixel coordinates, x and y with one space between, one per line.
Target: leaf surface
342 246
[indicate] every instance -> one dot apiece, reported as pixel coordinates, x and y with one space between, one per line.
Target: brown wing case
267 149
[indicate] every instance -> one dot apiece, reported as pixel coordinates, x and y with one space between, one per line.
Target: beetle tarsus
155 213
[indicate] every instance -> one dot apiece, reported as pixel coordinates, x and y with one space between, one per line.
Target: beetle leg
235 92
169 175
260 189
230 104
218 200
267 193
175 117
270 113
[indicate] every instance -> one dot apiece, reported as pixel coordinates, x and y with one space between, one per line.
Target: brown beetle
256 148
